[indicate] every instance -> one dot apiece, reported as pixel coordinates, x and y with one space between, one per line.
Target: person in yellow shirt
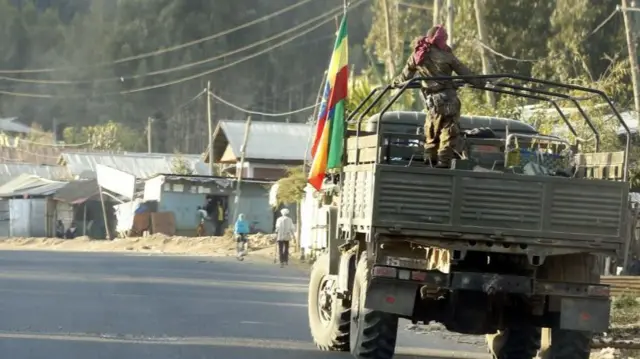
219 229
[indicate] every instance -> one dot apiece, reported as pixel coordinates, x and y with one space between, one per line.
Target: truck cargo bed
417 200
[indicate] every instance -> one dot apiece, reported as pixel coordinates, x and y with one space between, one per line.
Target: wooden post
104 214
450 17
149 121
210 123
84 219
243 151
633 55
482 36
437 5
391 67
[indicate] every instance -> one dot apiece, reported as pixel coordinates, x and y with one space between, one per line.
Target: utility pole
210 123
243 151
450 17
482 36
391 67
149 122
437 5
633 55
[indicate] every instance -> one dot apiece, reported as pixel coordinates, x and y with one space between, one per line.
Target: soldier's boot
430 156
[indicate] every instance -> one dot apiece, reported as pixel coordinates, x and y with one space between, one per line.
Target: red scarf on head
439 40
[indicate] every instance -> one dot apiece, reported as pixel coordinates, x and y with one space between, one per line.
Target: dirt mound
156 243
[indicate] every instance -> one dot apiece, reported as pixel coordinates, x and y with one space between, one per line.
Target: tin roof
76 192
141 165
197 178
267 140
10 125
9 171
30 185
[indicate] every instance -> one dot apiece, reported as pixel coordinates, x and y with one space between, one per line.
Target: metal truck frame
482 252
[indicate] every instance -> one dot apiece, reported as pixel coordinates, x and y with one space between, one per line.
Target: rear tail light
419 276
388 272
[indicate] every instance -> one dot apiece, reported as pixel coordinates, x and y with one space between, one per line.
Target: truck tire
329 328
521 342
569 344
572 268
373 333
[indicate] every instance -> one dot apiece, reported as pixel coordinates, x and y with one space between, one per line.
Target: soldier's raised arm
462 70
407 73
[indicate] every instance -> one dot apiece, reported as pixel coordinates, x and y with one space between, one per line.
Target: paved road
76 305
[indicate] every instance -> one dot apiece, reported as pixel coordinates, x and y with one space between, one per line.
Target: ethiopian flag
328 141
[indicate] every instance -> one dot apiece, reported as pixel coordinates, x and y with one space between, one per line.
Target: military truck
506 243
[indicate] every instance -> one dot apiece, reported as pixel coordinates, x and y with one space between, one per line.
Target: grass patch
625 311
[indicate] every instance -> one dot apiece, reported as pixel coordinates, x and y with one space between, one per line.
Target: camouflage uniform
441 130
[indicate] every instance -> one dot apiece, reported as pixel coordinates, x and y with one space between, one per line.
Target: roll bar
504 88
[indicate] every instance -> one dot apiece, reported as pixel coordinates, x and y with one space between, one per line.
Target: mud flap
391 296
585 314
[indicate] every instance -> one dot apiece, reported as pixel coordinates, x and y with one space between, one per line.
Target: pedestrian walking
241 230
285 231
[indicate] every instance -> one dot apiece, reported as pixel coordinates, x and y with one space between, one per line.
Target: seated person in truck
432 57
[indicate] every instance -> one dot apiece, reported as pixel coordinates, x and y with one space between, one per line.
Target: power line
162 51
192 77
491 50
602 24
330 13
220 99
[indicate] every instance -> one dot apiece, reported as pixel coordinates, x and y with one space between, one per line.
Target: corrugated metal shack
79 202
141 165
183 194
31 210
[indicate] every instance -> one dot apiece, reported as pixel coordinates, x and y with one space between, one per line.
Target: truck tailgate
591 212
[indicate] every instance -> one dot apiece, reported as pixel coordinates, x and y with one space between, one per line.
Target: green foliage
111 136
625 310
180 166
291 187
75 34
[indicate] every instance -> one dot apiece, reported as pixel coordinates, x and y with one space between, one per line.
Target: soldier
432 57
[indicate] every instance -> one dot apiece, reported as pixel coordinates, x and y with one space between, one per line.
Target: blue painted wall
184 207
254 203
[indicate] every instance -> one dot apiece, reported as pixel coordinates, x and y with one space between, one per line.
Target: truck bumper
583 306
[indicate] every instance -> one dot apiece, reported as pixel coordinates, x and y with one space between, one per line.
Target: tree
291 188
111 136
180 166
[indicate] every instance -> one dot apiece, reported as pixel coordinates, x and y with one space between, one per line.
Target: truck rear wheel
521 342
373 333
328 319
568 344
572 268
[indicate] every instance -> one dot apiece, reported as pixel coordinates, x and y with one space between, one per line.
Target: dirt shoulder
157 243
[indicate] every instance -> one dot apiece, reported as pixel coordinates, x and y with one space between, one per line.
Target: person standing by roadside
285 231
241 230
212 214
220 219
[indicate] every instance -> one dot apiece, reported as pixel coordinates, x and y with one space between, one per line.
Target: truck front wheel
328 318
373 333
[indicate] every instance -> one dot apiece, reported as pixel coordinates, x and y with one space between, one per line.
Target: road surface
57 305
